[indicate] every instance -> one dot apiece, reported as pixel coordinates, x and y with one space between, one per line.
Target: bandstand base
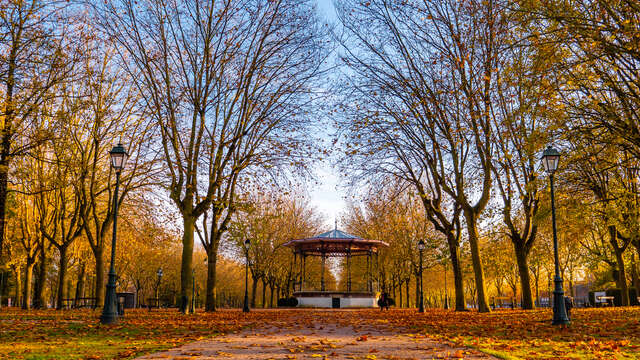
336 299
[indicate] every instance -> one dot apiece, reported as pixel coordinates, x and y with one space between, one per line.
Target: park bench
605 300
79 303
153 303
503 302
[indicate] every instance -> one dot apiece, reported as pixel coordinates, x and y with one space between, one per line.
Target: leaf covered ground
76 334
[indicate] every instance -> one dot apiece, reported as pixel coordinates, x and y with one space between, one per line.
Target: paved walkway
319 341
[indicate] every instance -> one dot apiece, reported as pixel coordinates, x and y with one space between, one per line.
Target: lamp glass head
550 159
118 157
421 245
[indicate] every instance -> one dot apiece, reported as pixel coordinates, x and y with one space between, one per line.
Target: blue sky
326 9
327 196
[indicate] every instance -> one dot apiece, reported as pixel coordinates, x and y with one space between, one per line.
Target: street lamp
159 273
421 249
446 294
245 308
550 160
110 311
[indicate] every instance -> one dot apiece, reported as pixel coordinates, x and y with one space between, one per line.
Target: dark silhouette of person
384 301
568 305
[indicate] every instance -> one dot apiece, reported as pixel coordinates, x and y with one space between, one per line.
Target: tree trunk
254 286
634 275
400 294
41 280
186 278
62 275
525 278
622 278
18 274
3 280
212 296
264 293
621 281
4 176
98 286
458 281
393 289
537 285
80 283
271 289
406 287
472 231
28 277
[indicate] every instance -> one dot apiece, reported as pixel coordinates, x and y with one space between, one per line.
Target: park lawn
607 333
77 334
596 333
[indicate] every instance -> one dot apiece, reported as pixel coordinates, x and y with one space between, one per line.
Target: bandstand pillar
369 271
295 270
349 269
324 257
304 271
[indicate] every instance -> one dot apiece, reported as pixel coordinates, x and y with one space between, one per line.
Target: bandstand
334 243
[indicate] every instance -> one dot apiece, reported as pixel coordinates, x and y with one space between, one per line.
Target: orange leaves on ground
594 333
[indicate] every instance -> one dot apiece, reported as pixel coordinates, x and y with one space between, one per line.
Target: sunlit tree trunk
17 272
28 278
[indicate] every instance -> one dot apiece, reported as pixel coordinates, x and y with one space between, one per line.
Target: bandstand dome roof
335 243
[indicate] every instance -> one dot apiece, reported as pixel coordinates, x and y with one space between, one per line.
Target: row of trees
456 100
209 98
443 107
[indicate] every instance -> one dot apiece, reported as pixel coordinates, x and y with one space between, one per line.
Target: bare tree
425 75
105 111
229 84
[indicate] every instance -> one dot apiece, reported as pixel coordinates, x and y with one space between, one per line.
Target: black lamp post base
245 308
110 310
559 310
446 303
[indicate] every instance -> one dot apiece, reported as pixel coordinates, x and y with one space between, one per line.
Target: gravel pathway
319 341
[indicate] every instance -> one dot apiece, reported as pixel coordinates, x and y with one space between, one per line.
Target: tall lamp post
421 250
446 294
110 311
245 308
550 160
159 273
